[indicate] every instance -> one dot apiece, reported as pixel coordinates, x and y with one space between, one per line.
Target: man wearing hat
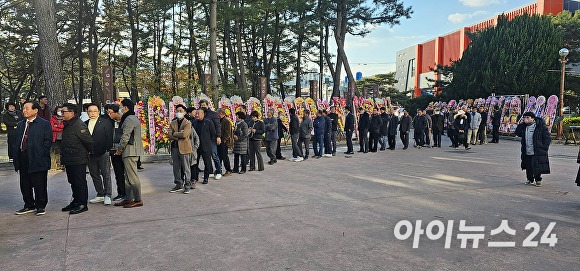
461 125
535 144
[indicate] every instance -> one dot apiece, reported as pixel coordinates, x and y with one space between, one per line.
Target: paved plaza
322 214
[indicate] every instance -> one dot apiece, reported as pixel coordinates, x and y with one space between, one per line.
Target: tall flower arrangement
141 113
160 122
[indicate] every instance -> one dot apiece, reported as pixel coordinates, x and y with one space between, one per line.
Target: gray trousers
296 150
181 163
132 182
100 171
254 150
271 149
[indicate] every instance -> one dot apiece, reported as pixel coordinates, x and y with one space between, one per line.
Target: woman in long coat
535 149
240 144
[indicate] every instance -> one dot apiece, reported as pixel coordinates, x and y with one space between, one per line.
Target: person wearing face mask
57 124
11 118
535 144
181 150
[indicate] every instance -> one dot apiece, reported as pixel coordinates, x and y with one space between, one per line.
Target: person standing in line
271 138
181 149
297 154
77 144
429 130
319 127
349 130
495 122
11 118
281 130
57 124
256 132
419 126
482 131
364 124
31 150
405 128
385 118
392 130
327 132
44 111
227 141
215 119
205 130
461 126
451 132
437 120
473 126
240 136
131 148
101 130
334 120
375 130
306 128
535 145
117 160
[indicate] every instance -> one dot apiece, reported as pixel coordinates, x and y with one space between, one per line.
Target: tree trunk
96 93
213 50
243 83
299 42
134 51
48 43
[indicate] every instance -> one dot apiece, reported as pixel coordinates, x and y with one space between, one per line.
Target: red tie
24 143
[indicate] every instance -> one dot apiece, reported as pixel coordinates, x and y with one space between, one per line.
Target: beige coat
131 126
182 135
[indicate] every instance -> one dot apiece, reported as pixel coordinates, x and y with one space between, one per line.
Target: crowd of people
113 138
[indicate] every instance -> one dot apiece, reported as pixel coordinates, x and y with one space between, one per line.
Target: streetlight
563 54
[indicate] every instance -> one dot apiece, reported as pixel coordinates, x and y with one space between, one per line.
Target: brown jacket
182 135
227 130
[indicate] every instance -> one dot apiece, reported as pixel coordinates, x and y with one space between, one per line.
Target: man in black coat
364 124
77 143
461 125
117 160
392 130
375 130
495 122
334 120
482 131
101 129
385 118
535 144
295 134
437 120
216 140
281 130
327 134
349 129
419 127
405 128
205 129
31 149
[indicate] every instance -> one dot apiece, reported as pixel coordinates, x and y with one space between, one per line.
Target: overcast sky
376 52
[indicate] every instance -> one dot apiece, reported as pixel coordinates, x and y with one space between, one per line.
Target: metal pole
559 132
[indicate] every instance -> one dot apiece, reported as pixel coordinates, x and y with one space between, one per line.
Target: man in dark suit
405 128
216 140
11 118
205 129
349 129
101 130
392 132
31 149
364 124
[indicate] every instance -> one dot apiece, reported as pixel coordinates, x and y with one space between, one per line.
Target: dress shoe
242 172
122 203
79 209
69 207
251 169
205 182
134 204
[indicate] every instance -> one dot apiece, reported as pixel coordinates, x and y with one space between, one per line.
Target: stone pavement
322 214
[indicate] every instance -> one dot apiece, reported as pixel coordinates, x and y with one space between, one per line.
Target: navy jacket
364 122
349 122
39 143
206 131
319 125
294 125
